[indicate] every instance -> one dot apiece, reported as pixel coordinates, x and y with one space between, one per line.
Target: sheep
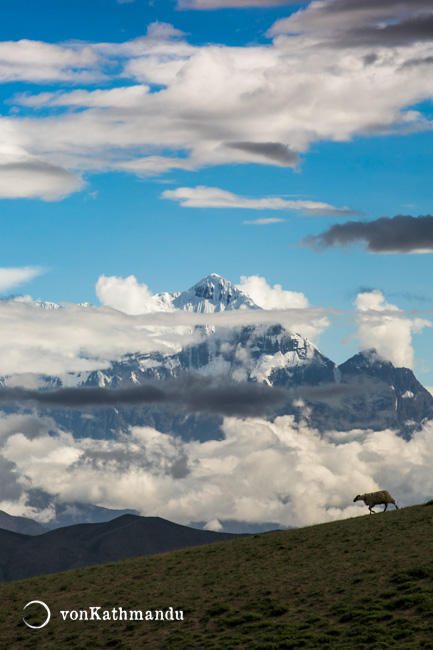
372 499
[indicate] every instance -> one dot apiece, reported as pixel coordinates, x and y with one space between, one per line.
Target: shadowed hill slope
23 556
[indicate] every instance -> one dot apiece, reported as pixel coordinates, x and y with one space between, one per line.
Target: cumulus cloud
214 197
32 178
14 276
125 294
400 234
407 30
269 297
349 24
385 327
40 62
322 78
261 471
31 426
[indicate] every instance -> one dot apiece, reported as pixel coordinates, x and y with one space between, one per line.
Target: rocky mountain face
393 398
366 391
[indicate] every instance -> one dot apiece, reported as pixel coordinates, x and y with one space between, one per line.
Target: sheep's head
357 498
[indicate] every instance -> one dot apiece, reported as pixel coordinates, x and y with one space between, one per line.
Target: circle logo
38 602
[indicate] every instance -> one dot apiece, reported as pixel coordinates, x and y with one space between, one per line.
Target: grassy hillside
359 583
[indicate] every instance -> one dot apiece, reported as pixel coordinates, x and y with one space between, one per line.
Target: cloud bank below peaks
78 338
261 471
46 339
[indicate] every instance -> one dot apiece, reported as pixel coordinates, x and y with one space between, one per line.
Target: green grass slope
360 583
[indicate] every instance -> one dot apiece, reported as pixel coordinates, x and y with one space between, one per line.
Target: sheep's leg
371 511
386 505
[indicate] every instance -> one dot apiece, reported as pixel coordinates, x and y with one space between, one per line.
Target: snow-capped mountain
40 304
213 293
264 354
366 391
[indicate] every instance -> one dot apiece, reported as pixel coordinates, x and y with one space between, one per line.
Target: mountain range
366 392
71 547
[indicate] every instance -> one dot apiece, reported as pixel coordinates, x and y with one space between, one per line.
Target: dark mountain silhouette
72 547
21 525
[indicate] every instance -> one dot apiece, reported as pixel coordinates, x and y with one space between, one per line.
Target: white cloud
40 62
214 197
14 276
78 338
131 297
223 4
32 178
214 524
260 472
269 297
263 222
209 102
125 294
385 327
125 96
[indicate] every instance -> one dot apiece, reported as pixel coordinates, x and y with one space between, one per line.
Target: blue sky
330 107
